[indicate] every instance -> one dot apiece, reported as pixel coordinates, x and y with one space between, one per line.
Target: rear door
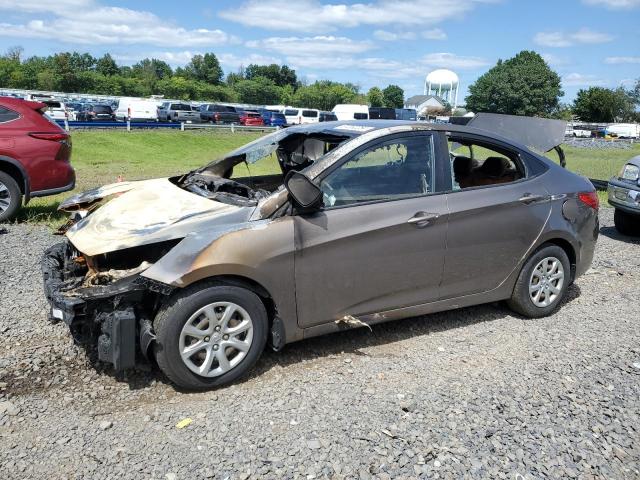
379 242
498 207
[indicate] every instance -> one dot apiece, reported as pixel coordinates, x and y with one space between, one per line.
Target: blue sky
372 42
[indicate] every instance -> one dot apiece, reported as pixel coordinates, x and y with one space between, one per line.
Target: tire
182 309
521 300
10 197
626 223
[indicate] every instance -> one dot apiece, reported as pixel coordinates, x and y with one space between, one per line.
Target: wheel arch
13 168
568 248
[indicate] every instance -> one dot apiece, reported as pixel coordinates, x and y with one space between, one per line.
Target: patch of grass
99 157
600 164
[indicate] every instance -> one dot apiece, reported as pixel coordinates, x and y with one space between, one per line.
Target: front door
379 242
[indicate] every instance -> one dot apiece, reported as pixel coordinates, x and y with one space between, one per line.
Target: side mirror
305 194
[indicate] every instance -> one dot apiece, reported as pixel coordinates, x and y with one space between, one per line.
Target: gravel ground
473 393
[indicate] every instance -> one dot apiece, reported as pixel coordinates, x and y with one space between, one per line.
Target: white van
137 110
351 111
309 115
624 130
293 115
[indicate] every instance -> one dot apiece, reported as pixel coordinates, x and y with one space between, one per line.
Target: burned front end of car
104 300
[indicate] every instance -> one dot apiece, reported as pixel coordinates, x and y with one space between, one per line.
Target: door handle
529 198
422 219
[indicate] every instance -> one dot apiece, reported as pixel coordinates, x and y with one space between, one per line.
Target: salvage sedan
361 222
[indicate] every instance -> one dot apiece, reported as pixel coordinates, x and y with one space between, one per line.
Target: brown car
361 222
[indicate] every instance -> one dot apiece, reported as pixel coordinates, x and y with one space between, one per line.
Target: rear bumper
111 318
55 191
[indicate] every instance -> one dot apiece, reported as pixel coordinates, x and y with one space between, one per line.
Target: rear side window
360 116
7 115
291 113
480 164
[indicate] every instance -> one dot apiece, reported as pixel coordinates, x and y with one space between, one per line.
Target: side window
7 115
478 164
390 170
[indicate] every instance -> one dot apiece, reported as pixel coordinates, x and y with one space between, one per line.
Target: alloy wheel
546 282
216 338
5 198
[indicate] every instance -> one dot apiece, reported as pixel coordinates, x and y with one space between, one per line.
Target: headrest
462 166
495 166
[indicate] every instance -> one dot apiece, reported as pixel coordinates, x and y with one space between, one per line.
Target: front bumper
113 318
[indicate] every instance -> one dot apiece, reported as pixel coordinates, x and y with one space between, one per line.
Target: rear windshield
102 109
231 109
360 116
181 106
291 113
329 117
252 114
279 116
309 113
53 105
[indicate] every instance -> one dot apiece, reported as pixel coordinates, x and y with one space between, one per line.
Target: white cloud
621 60
386 36
554 60
313 46
562 39
580 80
231 61
88 22
314 16
614 4
450 60
434 34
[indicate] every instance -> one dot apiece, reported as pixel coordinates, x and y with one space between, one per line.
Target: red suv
251 118
34 155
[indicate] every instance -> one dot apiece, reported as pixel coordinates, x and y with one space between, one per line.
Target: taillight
53 137
590 199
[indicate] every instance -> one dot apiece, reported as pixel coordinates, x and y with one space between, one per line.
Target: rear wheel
626 223
542 283
210 336
10 197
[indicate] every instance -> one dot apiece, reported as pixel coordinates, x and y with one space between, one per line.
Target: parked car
273 119
382 113
327 117
202 270
573 131
136 110
347 111
178 112
293 115
623 192
56 110
251 118
34 155
92 112
214 113
623 130
309 115
406 114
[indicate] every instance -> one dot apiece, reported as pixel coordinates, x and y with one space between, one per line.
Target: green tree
151 69
375 97
280 75
522 85
259 91
598 104
106 65
393 96
205 68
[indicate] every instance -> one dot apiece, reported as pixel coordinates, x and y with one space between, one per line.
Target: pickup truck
178 112
214 113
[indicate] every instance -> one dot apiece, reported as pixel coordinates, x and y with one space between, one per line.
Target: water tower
444 84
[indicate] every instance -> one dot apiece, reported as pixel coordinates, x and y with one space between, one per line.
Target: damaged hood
143 213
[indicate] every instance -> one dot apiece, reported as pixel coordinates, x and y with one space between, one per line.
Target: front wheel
210 336
10 197
542 283
626 223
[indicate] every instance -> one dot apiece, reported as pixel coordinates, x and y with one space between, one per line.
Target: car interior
476 164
